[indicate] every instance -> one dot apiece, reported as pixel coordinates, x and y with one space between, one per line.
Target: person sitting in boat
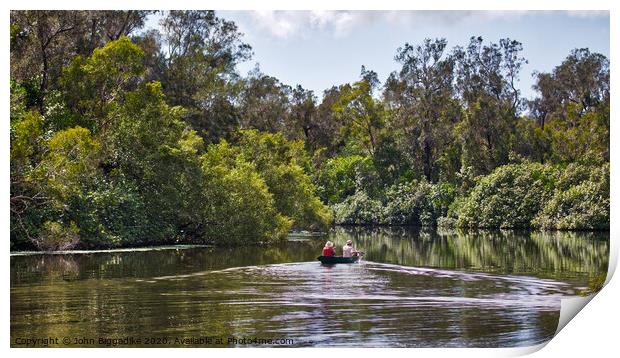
328 250
348 250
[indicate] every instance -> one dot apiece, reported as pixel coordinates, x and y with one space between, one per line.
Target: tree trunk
43 85
427 161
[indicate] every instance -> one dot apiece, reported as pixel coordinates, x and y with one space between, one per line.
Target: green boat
338 259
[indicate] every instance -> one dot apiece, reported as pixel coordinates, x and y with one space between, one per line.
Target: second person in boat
348 250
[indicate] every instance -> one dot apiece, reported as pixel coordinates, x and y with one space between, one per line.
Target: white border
592 332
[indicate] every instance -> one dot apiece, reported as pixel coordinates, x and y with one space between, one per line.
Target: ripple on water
364 304
408 306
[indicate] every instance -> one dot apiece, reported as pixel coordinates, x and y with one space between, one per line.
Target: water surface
413 289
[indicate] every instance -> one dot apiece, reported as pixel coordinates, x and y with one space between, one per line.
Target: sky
319 49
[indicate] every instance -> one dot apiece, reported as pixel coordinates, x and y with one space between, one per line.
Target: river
413 288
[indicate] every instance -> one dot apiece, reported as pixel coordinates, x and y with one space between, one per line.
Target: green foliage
28 202
390 162
295 197
424 111
576 173
114 214
573 108
409 204
108 138
283 165
584 205
360 113
142 176
358 209
55 236
18 99
595 284
264 103
198 69
485 74
47 191
93 86
485 136
70 162
339 176
268 149
510 197
536 195
413 203
580 137
240 210
26 134
442 196
149 144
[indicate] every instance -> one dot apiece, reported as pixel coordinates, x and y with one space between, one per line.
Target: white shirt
347 251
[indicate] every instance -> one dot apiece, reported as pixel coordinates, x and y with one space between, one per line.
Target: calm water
413 289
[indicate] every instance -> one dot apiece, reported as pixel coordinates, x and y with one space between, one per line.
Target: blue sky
321 49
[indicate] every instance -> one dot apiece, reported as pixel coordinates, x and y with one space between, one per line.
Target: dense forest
123 136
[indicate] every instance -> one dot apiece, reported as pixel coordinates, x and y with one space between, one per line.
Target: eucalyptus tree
43 42
93 86
486 81
327 128
572 110
301 123
360 114
580 83
200 53
264 103
421 103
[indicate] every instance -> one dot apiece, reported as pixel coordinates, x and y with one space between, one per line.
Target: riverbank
515 196
180 244
350 228
109 251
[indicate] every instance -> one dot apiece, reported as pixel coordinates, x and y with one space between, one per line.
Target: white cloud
276 23
588 13
287 24
284 24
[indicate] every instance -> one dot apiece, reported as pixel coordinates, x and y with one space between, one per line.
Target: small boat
338 259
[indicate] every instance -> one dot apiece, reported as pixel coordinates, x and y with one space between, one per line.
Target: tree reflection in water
413 288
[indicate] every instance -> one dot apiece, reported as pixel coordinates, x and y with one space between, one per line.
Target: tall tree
302 115
94 85
361 114
264 103
582 80
201 53
572 109
43 42
422 107
486 83
327 128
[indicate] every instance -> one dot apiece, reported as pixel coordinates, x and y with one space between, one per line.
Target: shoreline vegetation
122 137
353 229
106 251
